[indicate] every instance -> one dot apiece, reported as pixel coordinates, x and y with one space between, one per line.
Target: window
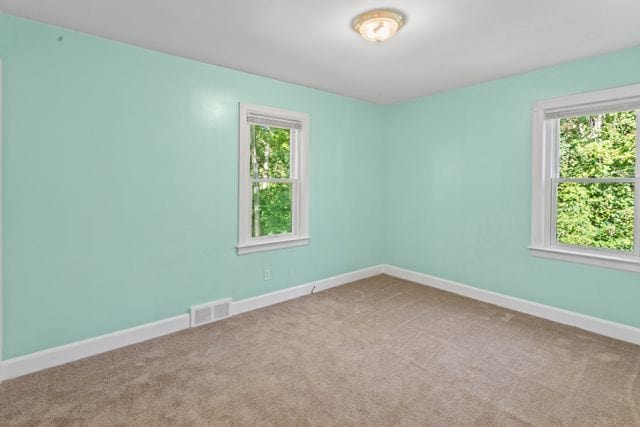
585 192
273 182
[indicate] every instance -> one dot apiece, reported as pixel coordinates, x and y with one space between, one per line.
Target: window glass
598 145
270 155
271 209
590 212
597 215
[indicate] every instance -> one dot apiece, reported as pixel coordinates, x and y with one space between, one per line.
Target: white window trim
1 230
300 157
543 242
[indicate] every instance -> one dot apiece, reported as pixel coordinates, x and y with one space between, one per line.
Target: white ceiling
444 44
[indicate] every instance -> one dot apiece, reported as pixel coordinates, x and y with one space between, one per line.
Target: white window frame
299 234
545 176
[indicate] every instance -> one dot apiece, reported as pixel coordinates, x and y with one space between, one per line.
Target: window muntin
585 178
273 178
273 181
593 187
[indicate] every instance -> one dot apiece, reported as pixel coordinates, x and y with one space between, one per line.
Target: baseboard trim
55 356
254 303
588 323
18 366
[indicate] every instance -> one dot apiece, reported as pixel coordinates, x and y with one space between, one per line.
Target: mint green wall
120 192
120 186
459 200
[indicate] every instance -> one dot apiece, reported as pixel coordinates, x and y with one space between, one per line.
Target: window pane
270 152
271 209
596 215
598 146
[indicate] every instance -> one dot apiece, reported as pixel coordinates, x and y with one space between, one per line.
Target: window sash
636 196
294 140
552 126
295 209
272 180
554 215
597 180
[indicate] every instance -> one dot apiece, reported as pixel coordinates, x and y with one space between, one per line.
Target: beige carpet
380 351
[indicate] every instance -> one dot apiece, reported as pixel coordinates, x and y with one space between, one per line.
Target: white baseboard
44 359
18 366
271 298
48 358
566 317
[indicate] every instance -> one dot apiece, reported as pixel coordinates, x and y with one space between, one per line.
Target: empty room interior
320 213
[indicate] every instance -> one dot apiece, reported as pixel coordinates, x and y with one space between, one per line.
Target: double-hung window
586 172
273 181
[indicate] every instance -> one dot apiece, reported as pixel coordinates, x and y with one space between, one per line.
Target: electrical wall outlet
266 275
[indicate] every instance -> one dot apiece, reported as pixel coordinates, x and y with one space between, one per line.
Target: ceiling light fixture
378 25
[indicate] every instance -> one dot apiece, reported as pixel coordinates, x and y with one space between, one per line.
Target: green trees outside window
270 170
597 214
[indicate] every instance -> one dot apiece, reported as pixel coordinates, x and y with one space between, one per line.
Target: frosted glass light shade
378 25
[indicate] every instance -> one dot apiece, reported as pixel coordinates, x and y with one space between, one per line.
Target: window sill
269 245
601 260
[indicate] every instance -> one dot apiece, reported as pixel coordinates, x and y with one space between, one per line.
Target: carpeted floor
380 351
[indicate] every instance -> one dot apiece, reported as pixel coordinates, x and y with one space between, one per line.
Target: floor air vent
210 312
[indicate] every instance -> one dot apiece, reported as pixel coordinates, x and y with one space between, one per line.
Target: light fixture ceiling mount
378 25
